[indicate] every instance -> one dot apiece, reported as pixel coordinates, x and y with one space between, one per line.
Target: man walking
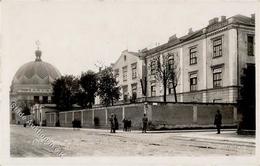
145 122
218 121
112 124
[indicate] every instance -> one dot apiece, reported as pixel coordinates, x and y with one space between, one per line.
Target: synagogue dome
36 72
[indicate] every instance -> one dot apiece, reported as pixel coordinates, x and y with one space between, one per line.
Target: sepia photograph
108 82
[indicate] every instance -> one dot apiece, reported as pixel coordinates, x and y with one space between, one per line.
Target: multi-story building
210 61
128 70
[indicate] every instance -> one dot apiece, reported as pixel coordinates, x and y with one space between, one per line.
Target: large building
210 61
32 84
128 70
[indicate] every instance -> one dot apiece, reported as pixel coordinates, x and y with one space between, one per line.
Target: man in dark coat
112 124
124 124
218 121
145 123
116 123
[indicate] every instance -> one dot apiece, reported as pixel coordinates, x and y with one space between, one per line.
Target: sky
76 35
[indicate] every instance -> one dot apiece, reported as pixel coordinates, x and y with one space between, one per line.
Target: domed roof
36 72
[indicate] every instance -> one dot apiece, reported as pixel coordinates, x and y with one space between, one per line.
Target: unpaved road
91 142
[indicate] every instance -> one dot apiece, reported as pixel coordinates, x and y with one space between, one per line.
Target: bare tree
165 70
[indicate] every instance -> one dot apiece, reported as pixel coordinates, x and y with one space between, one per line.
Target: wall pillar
54 117
195 113
65 115
123 112
149 112
106 115
235 114
72 117
82 119
93 116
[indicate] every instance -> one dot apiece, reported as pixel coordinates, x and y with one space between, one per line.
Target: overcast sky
75 36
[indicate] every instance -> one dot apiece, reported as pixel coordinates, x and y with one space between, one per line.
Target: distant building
31 86
128 70
210 60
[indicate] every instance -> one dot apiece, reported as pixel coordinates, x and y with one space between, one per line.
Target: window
217 77
193 82
153 90
36 99
124 57
134 74
153 67
134 89
44 99
217 47
171 62
193 55
250 45
125 73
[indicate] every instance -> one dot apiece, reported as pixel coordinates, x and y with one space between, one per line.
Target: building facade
128 70
31 85
209 61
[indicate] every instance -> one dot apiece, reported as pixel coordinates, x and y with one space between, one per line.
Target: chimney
172 38
253 16
144 50
190 31
213 21
223 18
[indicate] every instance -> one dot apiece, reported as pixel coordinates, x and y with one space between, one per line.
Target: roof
237 19
36 72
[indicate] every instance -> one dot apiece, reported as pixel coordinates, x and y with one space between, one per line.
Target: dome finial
38 52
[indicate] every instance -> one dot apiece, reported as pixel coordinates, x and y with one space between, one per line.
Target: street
100 142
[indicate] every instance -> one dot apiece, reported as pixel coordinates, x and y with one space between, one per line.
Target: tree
107 87
25 106
166 71
65 90
246 104
88 89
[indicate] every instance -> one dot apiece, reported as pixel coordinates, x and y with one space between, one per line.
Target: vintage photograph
129 78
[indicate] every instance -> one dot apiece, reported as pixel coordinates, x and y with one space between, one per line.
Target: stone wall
161 115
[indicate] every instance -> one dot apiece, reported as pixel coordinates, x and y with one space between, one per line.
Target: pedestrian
145 122
116 123
112 124
124 124
218 121
129 125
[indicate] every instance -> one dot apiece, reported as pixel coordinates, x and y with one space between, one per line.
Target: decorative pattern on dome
36 72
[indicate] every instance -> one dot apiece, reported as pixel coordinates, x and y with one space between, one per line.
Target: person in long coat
218 121
145 123
116 124
112 124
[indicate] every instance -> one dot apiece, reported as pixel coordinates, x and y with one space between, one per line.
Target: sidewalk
226 136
